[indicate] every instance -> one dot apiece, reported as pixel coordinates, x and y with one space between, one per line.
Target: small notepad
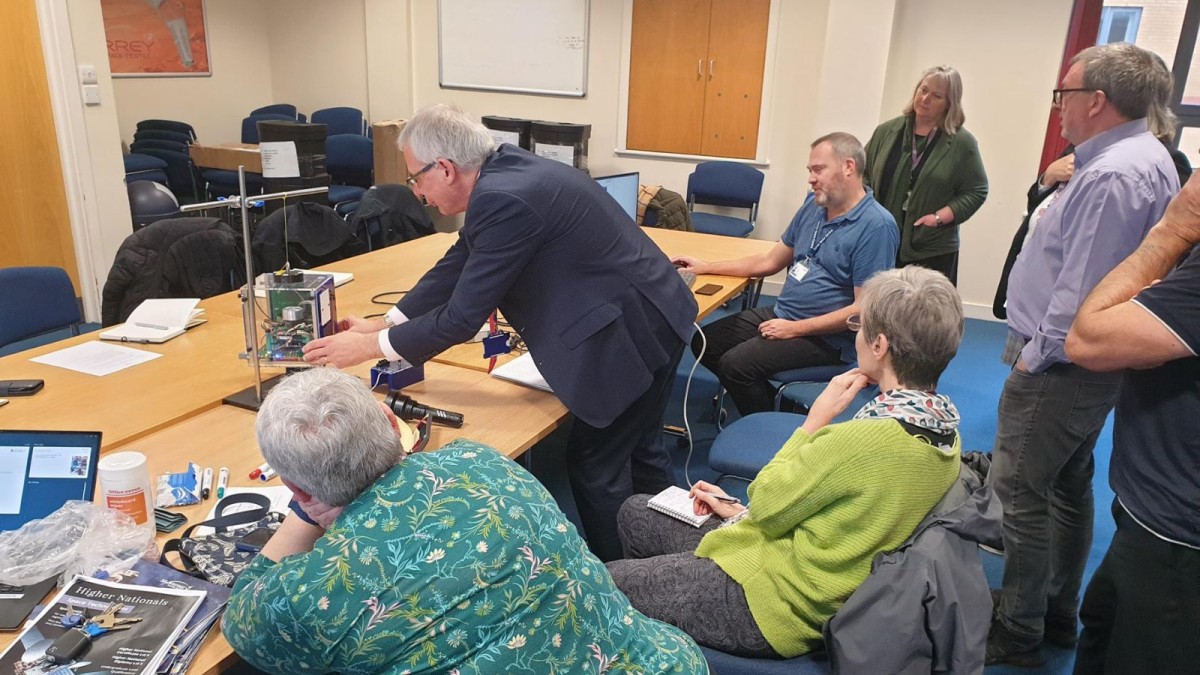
677 503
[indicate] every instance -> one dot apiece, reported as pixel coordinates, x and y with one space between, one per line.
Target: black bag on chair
216 557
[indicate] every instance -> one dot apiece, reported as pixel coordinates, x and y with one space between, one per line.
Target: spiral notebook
677 503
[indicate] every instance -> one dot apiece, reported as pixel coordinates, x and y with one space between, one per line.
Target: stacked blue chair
168 125
36 300
142 167
341 120
725 184
350 161
172 148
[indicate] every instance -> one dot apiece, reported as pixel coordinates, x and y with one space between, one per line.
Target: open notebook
677 503
157 320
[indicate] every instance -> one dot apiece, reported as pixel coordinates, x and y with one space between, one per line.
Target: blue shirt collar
1087 150
853 214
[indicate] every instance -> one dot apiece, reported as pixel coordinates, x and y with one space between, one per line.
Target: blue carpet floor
973 381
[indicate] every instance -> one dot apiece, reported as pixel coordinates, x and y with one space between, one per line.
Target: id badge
799 270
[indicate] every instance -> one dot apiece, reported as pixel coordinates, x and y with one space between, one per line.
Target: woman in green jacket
833 497
925 169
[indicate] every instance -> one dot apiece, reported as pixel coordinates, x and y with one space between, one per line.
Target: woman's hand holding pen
708 498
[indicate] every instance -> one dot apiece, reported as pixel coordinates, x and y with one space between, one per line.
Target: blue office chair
180 170
800 376
341 120
250 124
162 135
726 664
744 447
286 109
168 125
140 167
36 300
350 161
727 184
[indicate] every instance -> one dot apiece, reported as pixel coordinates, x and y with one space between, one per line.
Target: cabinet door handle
711 63
700 69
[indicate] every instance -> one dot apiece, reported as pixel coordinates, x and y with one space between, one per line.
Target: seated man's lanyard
800 269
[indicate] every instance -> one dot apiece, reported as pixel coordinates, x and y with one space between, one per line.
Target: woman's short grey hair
443 131
1127 74
845 146
954 118
1161 119
323 430
921 314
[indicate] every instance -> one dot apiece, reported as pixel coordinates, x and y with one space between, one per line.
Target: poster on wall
156 38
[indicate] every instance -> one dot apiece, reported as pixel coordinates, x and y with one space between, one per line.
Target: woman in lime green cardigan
926 171
761 580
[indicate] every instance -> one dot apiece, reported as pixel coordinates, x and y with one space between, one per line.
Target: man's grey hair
1161 119
442 131
323 430
921 314
954 117
845 146
1127 74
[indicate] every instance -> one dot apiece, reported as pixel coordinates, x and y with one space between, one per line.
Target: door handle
700 69
711 63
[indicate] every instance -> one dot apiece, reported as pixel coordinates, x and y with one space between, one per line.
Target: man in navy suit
601 308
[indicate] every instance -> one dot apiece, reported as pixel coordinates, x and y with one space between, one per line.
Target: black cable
375 299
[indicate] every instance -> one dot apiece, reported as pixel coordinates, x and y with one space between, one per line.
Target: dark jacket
600 306
176 258
316 236
926 607
390 214
660 207
952 176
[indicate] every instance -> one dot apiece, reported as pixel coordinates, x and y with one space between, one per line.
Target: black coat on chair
315 236
390 214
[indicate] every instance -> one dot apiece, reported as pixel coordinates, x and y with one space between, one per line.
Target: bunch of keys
75 642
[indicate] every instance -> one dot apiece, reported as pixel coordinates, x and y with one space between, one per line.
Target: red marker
258 472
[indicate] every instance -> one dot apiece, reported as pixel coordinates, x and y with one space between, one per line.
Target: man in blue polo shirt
1141 612
837 240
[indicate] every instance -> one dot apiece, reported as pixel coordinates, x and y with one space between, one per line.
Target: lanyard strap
929 138
816 245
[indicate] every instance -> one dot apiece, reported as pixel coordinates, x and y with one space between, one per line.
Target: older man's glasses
854 322
412 180
1057 94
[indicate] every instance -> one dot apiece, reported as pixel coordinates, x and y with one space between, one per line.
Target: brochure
137 650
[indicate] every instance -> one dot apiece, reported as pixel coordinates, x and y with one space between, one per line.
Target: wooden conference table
170 408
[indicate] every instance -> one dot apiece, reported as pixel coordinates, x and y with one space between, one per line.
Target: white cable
687 427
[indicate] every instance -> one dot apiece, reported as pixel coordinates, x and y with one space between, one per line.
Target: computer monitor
41 470
624 188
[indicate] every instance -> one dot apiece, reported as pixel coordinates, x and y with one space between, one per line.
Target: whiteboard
531 46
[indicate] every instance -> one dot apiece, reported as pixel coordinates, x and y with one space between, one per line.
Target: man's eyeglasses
1057 94
412 180
854 322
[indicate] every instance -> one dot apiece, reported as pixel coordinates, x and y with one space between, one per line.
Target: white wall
240 55
836 63
1006 96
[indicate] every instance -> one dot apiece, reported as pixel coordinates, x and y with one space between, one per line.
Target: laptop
623 187
39 472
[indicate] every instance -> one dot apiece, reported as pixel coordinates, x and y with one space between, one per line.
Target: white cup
125 486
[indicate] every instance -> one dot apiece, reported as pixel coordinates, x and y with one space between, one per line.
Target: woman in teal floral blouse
452 561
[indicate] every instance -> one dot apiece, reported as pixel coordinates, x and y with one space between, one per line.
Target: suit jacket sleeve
501 235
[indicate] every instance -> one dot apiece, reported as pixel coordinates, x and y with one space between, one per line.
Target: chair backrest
286 109
341 120
181 172
140 144
162 135
350 159
725 184
150 202
35 300
250 124
167 125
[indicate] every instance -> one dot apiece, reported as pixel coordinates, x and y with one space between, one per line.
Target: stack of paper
522 370
157 320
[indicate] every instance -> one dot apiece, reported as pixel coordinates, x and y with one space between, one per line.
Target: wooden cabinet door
734 76
35 227
667 75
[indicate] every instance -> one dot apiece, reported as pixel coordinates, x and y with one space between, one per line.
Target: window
1119 24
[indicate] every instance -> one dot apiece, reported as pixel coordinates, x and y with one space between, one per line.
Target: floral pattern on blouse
456 561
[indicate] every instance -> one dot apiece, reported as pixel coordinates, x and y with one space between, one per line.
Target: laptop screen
41 470
624 188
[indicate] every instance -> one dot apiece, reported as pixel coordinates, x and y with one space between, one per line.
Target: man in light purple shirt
1051 411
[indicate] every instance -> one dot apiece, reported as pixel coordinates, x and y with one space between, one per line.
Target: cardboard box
228 156
389 160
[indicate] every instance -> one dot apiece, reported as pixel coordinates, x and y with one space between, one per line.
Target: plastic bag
79 538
